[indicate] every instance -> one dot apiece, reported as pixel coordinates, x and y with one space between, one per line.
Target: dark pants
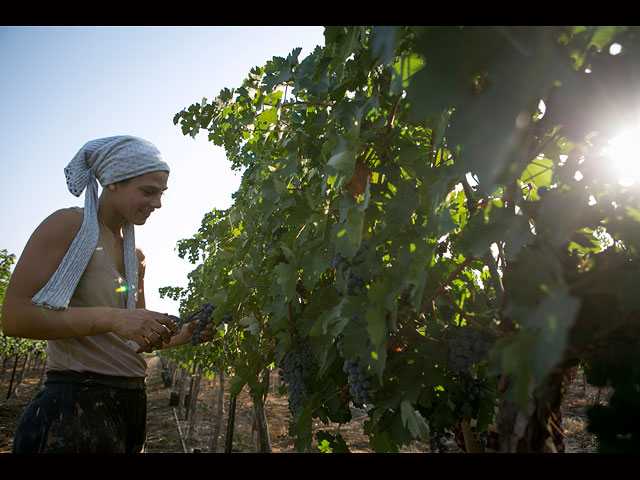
84 413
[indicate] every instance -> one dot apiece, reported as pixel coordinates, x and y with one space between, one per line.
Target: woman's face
138 197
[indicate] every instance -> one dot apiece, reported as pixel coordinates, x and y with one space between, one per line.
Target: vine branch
443 285
455 306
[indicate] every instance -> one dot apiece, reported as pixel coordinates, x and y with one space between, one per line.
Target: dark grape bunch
227 317
355 284
438 442
195 338
468 348
295 368
340 262
204 318
485 438
360 381
364 246
353 320
474 392
202 324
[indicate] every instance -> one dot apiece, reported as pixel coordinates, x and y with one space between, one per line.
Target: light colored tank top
101 285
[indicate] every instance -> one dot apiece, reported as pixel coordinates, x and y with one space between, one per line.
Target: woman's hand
150 330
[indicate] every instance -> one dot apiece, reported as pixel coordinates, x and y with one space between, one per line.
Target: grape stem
442 286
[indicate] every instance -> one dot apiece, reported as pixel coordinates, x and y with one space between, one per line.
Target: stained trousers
84 413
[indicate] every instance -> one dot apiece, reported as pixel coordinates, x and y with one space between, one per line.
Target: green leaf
251 325
381 440
414 421
236 385
510 356
287 277
402 205
301 430
453 56
539 345
512 68
383 41
501 225
328 443
266 118
343 159
313 265
405 68
552 321
627 290
347 235
560 215
539 172
376 327
538 272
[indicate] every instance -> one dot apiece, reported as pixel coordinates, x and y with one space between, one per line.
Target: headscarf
107 160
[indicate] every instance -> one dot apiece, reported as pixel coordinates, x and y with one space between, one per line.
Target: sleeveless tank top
101 285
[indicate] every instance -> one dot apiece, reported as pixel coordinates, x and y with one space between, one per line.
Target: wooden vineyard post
192 412
264 442
217 417
13 374
230 424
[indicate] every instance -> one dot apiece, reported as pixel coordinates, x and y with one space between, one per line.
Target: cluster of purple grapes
472 388
439 442
203 316
482 438
468 348
295 368
360 381
355 284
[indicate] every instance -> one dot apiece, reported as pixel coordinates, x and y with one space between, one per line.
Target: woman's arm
39 260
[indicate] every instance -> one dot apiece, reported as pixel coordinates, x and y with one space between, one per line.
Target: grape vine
445 238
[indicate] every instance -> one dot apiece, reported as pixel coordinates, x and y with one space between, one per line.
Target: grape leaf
414 421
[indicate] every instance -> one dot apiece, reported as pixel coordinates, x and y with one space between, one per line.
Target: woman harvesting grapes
79 285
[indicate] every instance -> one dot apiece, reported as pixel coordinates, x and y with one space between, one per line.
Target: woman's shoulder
47 245
65 222
70 214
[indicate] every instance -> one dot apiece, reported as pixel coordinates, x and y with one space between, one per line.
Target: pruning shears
204 314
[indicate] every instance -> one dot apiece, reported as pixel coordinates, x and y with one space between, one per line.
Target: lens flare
624 153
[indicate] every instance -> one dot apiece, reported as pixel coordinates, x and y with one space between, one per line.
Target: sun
624 153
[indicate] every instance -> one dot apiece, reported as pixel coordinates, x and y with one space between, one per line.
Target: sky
63 86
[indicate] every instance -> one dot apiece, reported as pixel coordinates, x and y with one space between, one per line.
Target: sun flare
624 153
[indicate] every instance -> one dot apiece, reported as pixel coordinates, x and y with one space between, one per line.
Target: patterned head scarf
107 160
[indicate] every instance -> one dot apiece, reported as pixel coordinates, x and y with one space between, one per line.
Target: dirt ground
167 434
